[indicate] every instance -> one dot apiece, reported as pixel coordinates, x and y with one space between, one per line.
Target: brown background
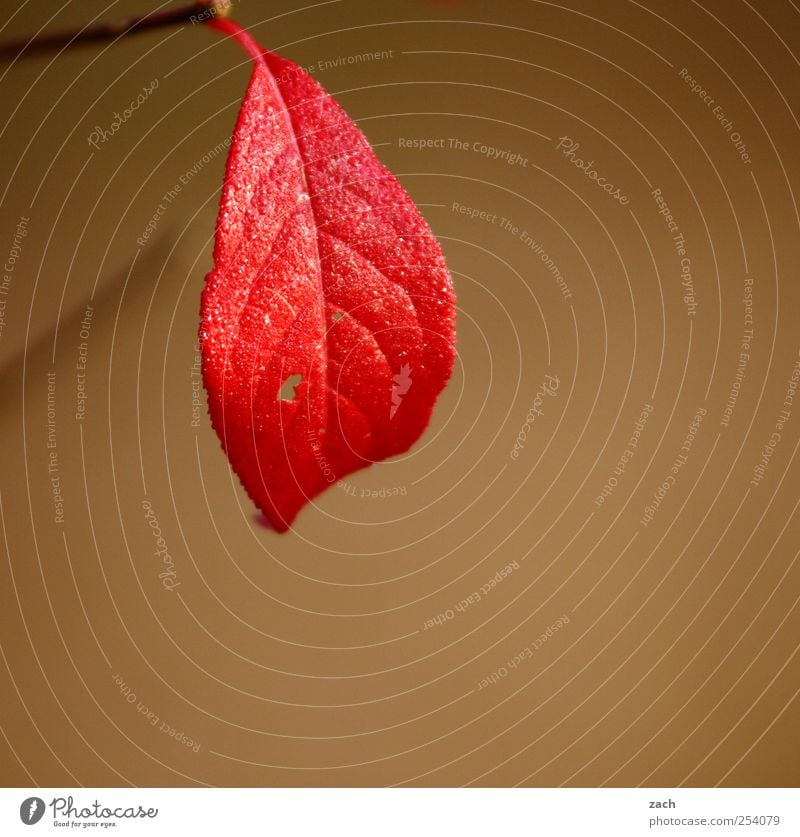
303 659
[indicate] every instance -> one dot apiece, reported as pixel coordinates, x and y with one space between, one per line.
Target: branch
204 10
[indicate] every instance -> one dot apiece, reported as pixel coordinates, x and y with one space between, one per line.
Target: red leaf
328 321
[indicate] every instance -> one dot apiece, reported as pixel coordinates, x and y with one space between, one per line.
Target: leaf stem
203 10
233 30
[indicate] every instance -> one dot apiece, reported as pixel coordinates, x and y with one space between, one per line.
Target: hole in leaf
287 390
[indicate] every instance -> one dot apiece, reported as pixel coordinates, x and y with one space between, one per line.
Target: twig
204 10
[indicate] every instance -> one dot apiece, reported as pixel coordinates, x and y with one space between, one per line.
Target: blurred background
585 573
